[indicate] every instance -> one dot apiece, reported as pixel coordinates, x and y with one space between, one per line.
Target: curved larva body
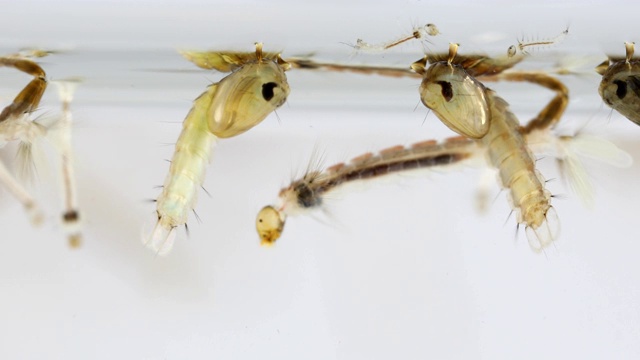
469 108
187 170
232 106
309 191
508 152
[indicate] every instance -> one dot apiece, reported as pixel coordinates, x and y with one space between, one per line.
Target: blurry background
405 268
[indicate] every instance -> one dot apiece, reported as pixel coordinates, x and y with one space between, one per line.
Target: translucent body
232 106
16 124
419 32
470 109
246 97
270 224
451 87
20 128
508 152
186 173
308 192
620 85
466 113
525 46
506 142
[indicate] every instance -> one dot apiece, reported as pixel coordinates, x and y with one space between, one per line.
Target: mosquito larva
620 85
241 100
308 192
526 46
420 32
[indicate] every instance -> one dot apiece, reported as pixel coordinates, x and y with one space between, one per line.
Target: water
437 280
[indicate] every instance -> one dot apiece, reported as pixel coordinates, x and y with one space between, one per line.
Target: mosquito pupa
467 107
620 85
241 100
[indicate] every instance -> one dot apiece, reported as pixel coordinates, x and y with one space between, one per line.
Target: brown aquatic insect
620 85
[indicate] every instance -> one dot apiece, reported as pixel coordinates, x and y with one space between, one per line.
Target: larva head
620 85
458 99
244 98
269 224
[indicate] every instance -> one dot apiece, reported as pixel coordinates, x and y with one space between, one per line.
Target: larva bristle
310 191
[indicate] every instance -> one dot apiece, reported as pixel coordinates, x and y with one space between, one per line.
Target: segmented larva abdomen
186 174
308 191
508 152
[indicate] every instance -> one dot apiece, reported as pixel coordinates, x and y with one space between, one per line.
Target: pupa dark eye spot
267 90
447 90
621 91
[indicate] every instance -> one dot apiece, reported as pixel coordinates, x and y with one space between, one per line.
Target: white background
405 268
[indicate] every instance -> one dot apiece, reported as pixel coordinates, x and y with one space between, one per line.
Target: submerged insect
308 192
526 46
420 32
467 107
620 85
241 100
450 87
16 123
